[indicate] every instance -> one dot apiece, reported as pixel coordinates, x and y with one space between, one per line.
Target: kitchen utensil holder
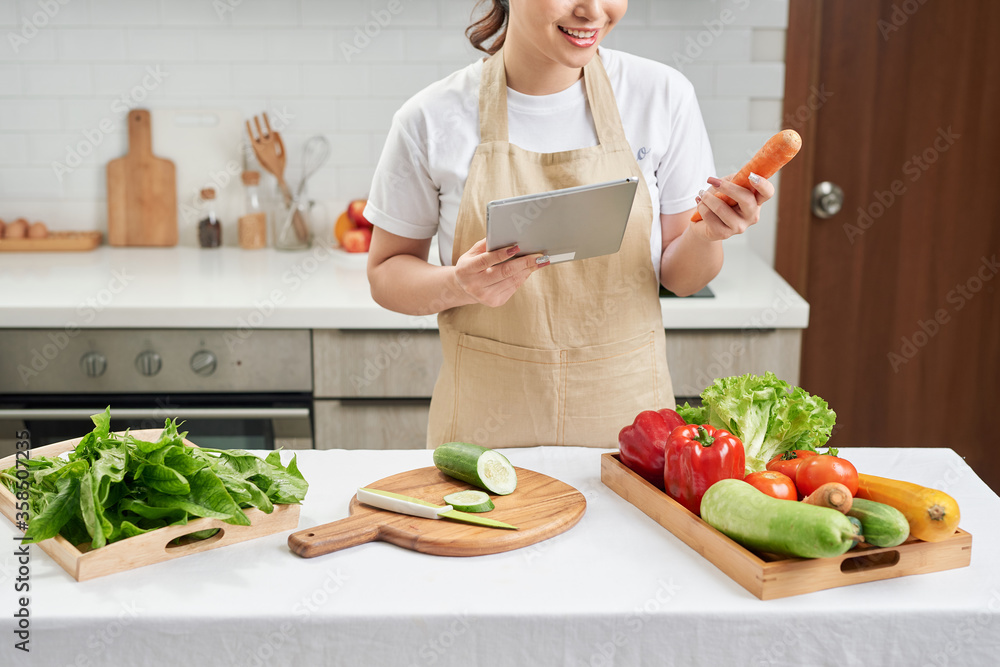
287 236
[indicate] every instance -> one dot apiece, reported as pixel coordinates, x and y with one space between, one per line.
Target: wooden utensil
54 242
142 191
270 152
541 507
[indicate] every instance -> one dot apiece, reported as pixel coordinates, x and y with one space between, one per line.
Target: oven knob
203 362
148 363
94 364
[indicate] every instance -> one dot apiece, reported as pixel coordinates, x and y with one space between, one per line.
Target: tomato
789 466
773 483
816 471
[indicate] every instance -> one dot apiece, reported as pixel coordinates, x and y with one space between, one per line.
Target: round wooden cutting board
540 507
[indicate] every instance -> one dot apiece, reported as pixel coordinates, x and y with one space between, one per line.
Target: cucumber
760 522
469 501
881 524
476 465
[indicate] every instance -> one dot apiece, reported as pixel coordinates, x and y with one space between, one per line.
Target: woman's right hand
489 278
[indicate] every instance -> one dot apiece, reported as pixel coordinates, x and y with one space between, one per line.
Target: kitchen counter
617 589
322 288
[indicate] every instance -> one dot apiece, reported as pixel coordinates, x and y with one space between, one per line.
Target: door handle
827 200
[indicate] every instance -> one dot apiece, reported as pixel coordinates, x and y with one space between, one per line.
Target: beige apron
579 350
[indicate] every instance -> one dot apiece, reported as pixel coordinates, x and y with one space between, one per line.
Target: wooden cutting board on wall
142 191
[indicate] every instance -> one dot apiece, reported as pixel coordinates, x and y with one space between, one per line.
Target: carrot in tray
774 155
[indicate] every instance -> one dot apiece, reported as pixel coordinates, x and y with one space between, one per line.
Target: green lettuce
766 413
111 487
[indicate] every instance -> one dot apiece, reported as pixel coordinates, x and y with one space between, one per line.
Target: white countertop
322 288
616 589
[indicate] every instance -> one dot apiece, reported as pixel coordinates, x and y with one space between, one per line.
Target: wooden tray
768 576
54 242
151 547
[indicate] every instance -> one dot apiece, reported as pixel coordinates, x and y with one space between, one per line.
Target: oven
233 389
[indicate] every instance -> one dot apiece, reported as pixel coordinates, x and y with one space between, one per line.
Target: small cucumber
469 501
881 524
476 465
786 527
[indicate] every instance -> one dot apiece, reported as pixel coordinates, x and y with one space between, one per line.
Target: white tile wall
341 67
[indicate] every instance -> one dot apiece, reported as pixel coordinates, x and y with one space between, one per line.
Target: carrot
774 155
833 495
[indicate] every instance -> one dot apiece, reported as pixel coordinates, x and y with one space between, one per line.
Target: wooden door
898 102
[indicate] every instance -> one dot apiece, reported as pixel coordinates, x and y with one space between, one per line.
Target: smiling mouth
580 34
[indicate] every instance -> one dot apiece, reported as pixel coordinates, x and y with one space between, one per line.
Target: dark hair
494 23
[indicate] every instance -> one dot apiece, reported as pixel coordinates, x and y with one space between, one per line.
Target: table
617 589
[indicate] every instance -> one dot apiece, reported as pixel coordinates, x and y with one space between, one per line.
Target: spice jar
252 226
209 229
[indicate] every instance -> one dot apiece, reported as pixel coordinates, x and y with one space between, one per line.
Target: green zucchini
785 527
469 501
881 524
476 465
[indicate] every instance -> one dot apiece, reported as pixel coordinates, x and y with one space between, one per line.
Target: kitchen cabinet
372 388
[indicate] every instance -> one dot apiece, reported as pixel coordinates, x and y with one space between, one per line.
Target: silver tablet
573 223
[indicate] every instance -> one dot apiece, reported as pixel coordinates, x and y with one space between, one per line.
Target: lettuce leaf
111 487
766 413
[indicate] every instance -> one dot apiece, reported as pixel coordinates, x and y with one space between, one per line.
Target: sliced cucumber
469 501
476 465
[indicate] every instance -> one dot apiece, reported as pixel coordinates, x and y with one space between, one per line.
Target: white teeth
579 34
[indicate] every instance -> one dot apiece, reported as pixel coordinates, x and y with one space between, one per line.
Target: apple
356 212
357 240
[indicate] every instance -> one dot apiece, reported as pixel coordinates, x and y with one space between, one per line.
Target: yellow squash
933 515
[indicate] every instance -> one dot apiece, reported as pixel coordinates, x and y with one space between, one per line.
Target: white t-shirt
421 174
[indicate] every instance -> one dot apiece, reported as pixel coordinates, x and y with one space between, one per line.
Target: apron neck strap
493 101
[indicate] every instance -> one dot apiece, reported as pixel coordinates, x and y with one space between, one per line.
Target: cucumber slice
476 465
469 501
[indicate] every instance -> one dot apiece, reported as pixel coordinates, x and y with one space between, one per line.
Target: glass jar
209 229
292 228
252 225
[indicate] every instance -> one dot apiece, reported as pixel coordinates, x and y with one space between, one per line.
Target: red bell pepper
696 458
641 445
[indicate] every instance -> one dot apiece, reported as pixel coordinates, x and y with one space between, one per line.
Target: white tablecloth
617 589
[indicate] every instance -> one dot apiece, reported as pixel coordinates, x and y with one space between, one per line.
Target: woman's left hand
720 220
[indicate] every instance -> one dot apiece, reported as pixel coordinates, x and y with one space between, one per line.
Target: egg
17 229
38 230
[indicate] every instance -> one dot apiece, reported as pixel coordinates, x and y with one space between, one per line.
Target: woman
571 355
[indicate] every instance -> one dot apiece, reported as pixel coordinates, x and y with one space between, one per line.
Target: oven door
231 422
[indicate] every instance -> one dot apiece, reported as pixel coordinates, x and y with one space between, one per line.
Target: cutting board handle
350 532
140 132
